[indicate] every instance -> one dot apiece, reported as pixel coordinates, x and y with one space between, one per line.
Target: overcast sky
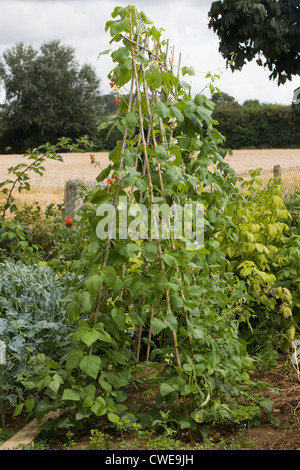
81 24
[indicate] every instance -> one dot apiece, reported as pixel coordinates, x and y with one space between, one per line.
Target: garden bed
279 430
206 313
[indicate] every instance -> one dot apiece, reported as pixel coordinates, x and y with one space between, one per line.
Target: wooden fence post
277 172
74 194
71 189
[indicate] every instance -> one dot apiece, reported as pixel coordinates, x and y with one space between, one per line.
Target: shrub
33 235
293 205
264 254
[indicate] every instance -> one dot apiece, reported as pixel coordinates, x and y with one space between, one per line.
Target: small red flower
112 84
69 222
109 181
92 159
117 98
116 178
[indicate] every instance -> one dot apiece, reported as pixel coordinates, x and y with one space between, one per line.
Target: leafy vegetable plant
31 325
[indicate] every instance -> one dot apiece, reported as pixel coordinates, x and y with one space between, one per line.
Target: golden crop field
50 187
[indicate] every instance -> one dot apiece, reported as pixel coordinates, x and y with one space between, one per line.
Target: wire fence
289 178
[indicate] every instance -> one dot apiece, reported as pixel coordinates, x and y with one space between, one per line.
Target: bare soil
278 430
281 429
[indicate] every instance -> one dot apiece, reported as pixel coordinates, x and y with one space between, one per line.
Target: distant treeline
256 125
49 95
250 125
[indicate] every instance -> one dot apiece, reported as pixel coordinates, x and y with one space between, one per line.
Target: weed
70 441
5 434
99 440
163 442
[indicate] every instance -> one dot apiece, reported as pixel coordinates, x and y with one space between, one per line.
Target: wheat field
49 188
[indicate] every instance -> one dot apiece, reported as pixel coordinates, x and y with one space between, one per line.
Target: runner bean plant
154 301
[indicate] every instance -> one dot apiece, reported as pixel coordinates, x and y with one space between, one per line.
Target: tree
251 103
47 94
222 98
266 29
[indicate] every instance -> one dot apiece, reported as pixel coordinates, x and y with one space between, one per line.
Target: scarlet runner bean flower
117 98
109 181
69 222
113 84
92 159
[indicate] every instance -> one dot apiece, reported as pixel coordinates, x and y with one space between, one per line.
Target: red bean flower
109 181
92 158
69 222
117 98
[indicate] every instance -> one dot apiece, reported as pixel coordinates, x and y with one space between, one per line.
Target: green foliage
104 141
46 91
163 443
250 414
293 205
5 435
186 312
119 282
99 440
268 30
255 125
33 235
30 234
31 324
263 254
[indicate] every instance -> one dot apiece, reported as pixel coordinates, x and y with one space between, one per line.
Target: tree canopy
47 95
268 30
